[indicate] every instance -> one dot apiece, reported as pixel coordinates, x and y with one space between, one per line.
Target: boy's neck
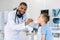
43 24
39 24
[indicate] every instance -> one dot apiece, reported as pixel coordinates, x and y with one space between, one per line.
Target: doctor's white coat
13 31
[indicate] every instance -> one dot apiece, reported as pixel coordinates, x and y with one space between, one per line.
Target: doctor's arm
22 26
13 25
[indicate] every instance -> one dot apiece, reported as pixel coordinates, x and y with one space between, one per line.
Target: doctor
17 21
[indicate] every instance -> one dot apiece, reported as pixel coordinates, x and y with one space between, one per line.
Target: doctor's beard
21 13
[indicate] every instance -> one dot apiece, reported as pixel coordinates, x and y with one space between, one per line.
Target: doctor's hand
29 21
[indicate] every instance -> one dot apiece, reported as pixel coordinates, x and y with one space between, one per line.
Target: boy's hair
46 17
23 3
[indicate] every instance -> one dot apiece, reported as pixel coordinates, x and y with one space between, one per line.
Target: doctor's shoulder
11 13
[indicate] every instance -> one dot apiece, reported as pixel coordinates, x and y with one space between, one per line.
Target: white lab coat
13 31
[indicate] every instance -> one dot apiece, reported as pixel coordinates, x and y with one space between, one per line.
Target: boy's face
41 19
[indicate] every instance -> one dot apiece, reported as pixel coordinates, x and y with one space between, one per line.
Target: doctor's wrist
26 23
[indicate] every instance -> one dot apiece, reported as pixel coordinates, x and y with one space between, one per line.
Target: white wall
51 4
34 6
6 5
1 20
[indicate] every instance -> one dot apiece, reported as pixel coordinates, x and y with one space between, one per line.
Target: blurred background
35 7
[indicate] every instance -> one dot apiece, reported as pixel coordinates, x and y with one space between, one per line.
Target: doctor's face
22 8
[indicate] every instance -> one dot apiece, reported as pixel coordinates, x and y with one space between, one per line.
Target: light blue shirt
45 30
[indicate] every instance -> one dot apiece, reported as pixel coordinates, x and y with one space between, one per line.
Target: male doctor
17 21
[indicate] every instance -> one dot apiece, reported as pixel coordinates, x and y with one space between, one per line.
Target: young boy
46 33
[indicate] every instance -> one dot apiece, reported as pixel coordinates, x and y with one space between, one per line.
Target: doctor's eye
23 8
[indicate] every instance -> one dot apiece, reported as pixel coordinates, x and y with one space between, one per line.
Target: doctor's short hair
46 17
23 3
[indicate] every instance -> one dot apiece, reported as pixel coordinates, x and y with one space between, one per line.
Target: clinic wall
51 4
34 6
0 21
8 5
5 6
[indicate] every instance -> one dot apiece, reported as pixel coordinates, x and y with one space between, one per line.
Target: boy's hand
28 21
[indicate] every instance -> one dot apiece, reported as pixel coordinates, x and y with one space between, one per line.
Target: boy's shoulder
45 27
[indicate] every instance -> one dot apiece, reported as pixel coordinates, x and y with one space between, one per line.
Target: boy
46 33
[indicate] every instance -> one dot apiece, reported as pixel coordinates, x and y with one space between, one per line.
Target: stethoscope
16 17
